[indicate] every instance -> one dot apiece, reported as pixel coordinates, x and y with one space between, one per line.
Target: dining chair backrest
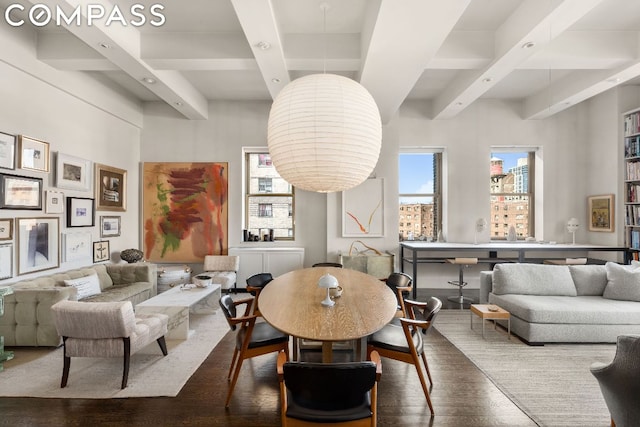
258 281
327 264
429 312
229 310
400 284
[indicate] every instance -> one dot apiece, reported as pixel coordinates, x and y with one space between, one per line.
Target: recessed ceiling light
458 103
528 45
149 80
487 80
614 80
275 80
104 45
179 103
263 45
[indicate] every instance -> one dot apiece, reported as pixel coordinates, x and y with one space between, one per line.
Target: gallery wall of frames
61 219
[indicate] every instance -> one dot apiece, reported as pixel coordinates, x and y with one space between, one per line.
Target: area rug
551 383
36 372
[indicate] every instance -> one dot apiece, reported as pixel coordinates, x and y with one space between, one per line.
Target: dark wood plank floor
462 396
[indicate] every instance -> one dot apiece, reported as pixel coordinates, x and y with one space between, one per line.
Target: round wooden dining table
291 303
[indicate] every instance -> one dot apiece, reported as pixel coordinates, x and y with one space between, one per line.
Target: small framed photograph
20 192
6 229
110 188
34 154
38 244
73 173
76 246
109 226
80 212
7 151
6 261
101 251
54 202
601 213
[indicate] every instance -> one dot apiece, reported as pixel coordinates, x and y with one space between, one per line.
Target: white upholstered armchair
105 329
222 269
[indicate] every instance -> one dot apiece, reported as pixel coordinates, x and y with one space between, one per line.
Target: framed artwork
76 246
109 226
20 192
54 202
185 211
6 229
34 154
110 188
7 151
80 212
601 213
38 244
363 209
73 173
6 261
101 251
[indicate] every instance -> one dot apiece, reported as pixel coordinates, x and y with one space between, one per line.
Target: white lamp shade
572 225
324 133
328 281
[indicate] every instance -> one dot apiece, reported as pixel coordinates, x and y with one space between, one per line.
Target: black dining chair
344 394
255 284
405 342
327 264
401 285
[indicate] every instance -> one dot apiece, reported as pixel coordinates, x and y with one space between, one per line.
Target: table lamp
328 282
572 227
481 225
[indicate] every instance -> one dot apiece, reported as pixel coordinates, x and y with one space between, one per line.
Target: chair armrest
598 367
375 358
282 358
414 303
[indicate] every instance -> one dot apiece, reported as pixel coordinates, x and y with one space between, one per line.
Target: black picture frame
80 212
101 251
20 192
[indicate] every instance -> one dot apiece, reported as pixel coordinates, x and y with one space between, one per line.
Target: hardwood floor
462 396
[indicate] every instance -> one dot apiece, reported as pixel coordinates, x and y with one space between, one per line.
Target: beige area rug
36 372
551 383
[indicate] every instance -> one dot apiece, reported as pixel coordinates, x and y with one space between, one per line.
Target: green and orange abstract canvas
185 211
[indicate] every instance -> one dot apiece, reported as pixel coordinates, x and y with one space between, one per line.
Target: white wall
71 126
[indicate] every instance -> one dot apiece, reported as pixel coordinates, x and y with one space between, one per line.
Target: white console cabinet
277 261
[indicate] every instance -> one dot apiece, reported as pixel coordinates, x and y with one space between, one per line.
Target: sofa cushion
589 279
86 286
623 282
533 279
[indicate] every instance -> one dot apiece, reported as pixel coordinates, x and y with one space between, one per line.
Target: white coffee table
178 302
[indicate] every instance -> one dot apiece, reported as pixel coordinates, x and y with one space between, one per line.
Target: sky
416 170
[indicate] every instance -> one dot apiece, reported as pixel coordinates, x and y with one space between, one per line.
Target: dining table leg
327 352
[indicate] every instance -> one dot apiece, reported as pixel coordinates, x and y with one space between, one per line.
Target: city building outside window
512 192
420 192
269 199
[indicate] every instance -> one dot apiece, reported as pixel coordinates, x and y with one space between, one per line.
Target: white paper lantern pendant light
324 133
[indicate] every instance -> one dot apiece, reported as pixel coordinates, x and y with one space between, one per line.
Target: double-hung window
269 199
512 193
420 191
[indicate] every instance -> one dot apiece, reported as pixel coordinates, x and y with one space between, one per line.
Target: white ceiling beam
121 45
533 22
405 36
575 88
261 30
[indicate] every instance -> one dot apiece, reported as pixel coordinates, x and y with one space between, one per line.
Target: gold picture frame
34 154
110 188
601 213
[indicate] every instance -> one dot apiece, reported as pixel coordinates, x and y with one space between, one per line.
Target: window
420 190
512 191
269 199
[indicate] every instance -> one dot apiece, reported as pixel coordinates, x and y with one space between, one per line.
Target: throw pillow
86 286
533 279
623 282
589 279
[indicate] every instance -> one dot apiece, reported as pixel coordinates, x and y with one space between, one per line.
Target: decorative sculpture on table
131 255
481 225
328 282
572 227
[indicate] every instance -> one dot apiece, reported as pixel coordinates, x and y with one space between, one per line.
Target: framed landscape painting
73 173
185 211
601 213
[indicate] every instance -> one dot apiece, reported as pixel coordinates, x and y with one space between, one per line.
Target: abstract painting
363 209
185 211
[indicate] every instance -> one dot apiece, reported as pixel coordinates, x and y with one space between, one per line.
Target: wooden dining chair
252 339
404 342
343 394
401 285
255 284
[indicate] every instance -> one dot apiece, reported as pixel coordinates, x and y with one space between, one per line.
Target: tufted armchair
106 329
620 381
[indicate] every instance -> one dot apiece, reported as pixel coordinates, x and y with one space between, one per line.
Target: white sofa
566 304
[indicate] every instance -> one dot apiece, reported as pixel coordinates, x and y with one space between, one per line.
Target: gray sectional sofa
27 319
566 304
